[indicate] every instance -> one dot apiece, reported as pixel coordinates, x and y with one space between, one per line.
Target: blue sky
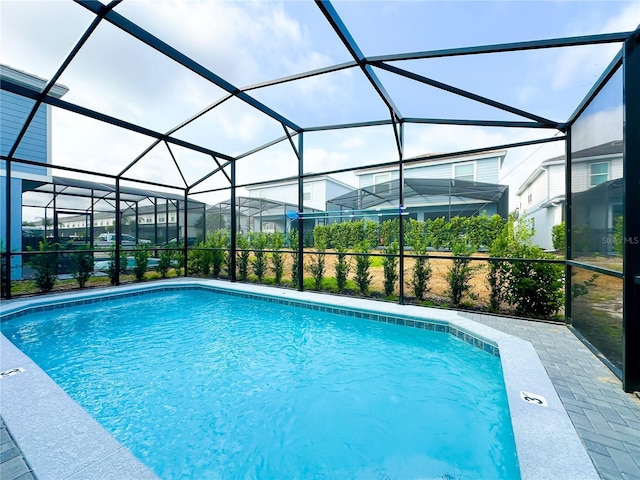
249 42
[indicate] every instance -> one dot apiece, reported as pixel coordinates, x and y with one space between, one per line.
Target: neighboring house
464 185
596 195
542 199
35 146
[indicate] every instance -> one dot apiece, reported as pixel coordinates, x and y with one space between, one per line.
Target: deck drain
13 371
534 398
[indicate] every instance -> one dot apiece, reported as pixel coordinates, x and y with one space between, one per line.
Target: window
306 192
529 198
381 183
598 173
465 171
160 219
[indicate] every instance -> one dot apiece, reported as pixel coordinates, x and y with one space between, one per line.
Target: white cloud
117 75
585 64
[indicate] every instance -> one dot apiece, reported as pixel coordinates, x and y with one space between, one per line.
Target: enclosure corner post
234 224
631 248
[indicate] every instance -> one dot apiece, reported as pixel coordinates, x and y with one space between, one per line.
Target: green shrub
141 260
111 269
200 259
418 238
363 265
277 258
618 235
243 257
164 264
533 288
82 266
579 289
390 231
558 237
178 260
316 264
390 268
459 274
342 267
295 257
46 266
259 262
218 242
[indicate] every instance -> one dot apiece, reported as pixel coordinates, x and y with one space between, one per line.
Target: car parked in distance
109 239
191 241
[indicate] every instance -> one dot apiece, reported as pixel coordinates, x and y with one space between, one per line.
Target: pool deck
606 419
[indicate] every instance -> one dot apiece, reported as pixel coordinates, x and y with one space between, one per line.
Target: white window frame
307 192
454 166
380 178
591 174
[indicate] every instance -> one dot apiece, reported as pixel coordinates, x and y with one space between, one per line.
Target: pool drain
13 371
534 398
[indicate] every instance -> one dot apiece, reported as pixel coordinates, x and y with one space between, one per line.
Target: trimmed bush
141 261
459 273
46 266
259 263
277 259
390 268
82 266
363 265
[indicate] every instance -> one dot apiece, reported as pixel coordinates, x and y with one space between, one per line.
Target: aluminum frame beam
343 33
507 47
164 48
463 93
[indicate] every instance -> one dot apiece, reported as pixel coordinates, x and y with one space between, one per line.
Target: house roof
30 81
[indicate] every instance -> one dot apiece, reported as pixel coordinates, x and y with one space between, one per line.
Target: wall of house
16 222
580 171
486 170
543 221
556 180
334 190
14 112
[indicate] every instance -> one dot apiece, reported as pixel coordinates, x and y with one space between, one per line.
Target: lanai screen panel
597 232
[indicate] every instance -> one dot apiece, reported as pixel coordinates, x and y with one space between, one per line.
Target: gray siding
13 114
487 170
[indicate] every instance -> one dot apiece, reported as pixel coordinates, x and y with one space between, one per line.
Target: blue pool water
204 385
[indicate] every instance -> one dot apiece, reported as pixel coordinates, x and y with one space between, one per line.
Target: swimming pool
221 386
407 450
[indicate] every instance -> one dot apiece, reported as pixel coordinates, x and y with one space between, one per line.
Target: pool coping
546 440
